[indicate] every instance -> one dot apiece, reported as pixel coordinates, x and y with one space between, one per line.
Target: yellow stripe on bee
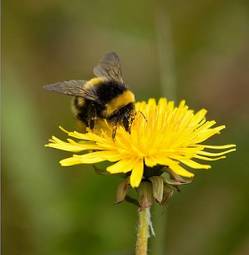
95 81
118 102
80 101
77 105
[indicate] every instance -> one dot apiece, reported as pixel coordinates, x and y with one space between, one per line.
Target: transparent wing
72 88
109 67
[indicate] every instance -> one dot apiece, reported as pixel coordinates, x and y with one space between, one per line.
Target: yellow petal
182 104
61 145
74 134
122 166
162 102
174 166
70 161
151 102
93 157
219 147
137 173
180 170
81 159
150 161
193 164
214 154
199 116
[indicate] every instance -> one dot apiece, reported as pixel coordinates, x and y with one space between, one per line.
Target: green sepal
174 179
168 192
157 187
122 190
145 195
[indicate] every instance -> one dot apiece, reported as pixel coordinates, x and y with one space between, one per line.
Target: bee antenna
143 115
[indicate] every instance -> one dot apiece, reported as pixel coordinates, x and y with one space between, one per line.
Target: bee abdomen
78 104
86 110
79 108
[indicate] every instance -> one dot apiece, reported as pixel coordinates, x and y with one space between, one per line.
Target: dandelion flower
161 135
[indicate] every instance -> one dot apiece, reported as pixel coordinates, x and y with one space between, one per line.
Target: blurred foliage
198 49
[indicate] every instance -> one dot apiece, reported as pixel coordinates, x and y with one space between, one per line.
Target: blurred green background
196 50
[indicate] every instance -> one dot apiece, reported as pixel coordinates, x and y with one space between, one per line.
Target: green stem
143 231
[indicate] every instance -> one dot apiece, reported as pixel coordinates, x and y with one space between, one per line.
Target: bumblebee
104 97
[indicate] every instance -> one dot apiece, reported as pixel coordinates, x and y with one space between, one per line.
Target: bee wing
72 88
109 67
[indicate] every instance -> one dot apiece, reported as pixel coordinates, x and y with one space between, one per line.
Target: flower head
161 135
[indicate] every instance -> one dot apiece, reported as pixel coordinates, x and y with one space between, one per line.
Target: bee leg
114 130
91 123
143 115
127 123
91 116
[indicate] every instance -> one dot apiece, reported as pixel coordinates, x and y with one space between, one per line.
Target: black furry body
109 90
88 111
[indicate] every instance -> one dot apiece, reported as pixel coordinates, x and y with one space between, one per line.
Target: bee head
124 116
